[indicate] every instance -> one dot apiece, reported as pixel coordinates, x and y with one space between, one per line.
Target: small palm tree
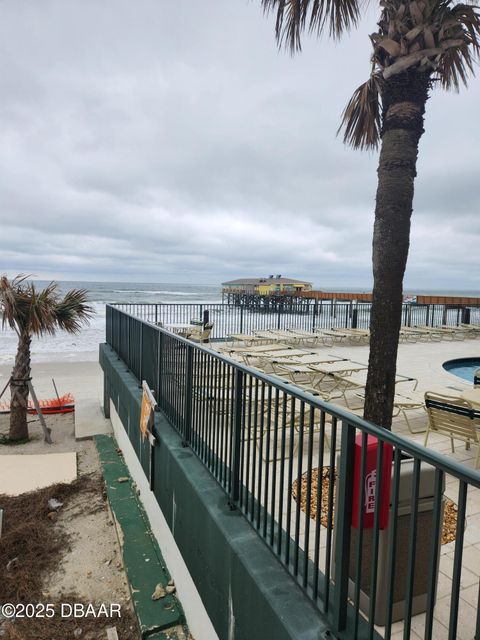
419 44
30 312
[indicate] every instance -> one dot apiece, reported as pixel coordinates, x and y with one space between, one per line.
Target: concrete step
89 420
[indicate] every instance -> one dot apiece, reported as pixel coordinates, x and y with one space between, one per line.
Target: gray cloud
155 141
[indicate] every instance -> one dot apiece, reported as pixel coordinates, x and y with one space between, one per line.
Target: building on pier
256 291
268 286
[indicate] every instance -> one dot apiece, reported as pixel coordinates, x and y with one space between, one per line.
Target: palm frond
461 53
295 16
361 119
432 36
413 59
73 311
454 67
40 316
12 302
7 303
26 309
467 18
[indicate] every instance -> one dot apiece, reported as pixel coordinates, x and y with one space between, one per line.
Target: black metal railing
307 315
299 469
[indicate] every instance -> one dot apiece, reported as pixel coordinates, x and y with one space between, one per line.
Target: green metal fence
307 315
298 469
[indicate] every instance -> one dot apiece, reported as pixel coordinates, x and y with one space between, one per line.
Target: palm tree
30 312
419 44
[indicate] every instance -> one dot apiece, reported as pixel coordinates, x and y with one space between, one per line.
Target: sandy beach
82 378
90 571
81 369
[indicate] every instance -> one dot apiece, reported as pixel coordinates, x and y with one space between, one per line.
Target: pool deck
423 361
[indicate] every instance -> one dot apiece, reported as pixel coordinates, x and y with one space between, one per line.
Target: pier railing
307 315
299 469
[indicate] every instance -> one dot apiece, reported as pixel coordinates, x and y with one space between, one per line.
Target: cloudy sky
171 142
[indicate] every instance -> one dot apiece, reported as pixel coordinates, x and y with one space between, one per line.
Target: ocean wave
154 292
87 340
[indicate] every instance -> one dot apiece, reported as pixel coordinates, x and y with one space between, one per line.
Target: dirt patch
30 536
58 628
449 521
62 426
37 544
54 421
450 512
325 488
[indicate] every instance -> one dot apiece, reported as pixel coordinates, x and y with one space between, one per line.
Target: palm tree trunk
19 389
404 99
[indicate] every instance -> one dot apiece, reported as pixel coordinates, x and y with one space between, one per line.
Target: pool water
463 367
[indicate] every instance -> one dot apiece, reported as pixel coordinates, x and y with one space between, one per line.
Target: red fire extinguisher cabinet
370 483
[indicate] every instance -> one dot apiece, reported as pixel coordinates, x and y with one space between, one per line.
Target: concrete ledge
89 420
142 558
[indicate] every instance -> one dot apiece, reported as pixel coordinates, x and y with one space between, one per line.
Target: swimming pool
463 367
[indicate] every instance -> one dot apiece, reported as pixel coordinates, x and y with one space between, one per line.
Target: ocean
84 345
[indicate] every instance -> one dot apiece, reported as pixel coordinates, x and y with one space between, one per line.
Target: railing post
241 319
205 317
108 325
314 319
117 331
159 368
129 355
156 313
141 355
113 324
343 521
187 426
354 318
237 438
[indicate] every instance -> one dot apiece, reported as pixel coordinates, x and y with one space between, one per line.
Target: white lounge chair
455 418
